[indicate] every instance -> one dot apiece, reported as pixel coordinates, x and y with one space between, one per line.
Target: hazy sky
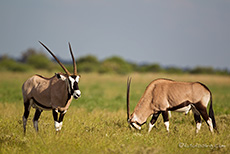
184 33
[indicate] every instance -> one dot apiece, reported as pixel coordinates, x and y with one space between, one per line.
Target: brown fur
163 94
49 92
54 93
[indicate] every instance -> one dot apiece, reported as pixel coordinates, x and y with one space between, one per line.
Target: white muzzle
136 126
77 94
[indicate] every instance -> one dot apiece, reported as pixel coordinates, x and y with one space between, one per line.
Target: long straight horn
74 63
128 88
63 67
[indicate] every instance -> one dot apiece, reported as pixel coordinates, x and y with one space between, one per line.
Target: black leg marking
166 119
202 110
165 116
26 109
197 118
61 116
154 118
198 121
36 117
37 114
58 121
55 115
26 114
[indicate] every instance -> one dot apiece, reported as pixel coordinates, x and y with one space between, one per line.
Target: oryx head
133 120
71 79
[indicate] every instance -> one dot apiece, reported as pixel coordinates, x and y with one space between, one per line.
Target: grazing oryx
163 95
55 93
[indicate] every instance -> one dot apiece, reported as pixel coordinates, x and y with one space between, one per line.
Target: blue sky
183 33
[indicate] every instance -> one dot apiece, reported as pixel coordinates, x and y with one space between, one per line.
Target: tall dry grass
96 123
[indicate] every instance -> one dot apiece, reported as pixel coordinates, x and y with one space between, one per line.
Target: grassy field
96 123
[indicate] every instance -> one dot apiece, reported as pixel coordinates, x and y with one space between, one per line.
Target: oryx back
169 94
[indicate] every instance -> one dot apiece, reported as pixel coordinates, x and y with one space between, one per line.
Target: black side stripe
186 103
69 96
40 105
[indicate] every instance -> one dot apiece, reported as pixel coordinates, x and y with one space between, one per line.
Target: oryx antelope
53 93
163 95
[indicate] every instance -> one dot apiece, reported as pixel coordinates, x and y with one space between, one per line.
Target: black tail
211 113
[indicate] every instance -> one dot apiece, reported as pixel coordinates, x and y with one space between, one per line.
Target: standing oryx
163 95
53 93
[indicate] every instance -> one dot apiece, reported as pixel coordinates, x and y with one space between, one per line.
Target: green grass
96 123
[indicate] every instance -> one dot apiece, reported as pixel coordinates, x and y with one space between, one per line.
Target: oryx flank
53 93
163 95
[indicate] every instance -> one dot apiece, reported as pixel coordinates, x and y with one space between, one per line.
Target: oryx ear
60 76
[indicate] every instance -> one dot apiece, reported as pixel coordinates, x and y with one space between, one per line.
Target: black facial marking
71 89
134 126
75 86
58 76
139 123
69 96
74 76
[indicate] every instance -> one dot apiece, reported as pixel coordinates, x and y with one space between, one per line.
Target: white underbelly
185 109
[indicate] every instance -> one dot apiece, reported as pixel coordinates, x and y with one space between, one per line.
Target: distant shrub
88 59
174 70
202 70
39 61
150 68
29 52
115 65
222 71
88 64
7 64
33 59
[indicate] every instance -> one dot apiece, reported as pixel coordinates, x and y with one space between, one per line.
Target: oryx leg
58 121
198 121
55 116
61 119
153 120
25 116
166 119
203 111
36 117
